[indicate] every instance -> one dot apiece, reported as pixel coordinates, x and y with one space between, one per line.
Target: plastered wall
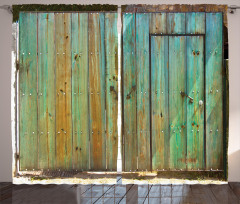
5 78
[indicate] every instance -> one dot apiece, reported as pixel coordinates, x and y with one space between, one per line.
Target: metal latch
184 94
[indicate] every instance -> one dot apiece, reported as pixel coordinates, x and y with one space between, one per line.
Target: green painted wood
28 91
214 91
195 23
157 24
46 91
129 93
97 91
195 111
63 91
176 23
80 113
159 101
143 91
111 50
177 102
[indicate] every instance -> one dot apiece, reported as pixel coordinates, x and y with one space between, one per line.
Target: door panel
143 107
195 109
159 102
129 93
177 101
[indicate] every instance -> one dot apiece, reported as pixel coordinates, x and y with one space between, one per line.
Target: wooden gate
172 91
68 91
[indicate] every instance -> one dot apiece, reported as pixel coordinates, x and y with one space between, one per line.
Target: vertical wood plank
159 112
129 93
177 101
97 91
111 50
28 91
176 23
63 91
158 23
214 91
80 114
195 23
195 111
143 91
46 91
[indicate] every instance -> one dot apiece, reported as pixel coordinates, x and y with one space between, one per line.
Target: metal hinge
17 156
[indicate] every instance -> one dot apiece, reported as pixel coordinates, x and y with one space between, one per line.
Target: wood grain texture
97 91
111 50
157 23
177 101
63 91
176 23
46 91
80 113
195 111
159 95
129 93
28 91
143 91
195 23
214 91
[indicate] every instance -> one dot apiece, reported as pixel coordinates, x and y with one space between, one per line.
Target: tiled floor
64 194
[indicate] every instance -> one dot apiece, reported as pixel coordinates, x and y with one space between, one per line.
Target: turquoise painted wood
46 92
80 107
129 93
177 102
68 91
111 37
143 91
158 23
63 91
176 23
214 91
97 94
159 102
195 23
28 127
195 109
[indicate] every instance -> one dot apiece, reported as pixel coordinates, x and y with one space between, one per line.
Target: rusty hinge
17 65
17 156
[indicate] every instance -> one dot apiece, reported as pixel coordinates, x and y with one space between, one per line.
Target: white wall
5 77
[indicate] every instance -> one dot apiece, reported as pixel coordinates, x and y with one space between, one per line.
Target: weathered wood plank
214 91
195 110
195 23
177 101
97 91
129 93
63 91
176 23
28 91
157 23
46 91
159 112
111 50
80 114
143 91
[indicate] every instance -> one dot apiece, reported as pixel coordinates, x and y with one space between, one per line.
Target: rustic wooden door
177 101
68 91
173 91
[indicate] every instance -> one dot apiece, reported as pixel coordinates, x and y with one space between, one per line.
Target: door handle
184 94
